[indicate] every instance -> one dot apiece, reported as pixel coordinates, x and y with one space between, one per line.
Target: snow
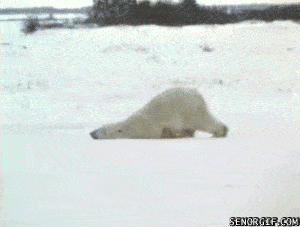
58 85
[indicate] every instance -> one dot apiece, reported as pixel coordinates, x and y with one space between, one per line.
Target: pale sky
81 3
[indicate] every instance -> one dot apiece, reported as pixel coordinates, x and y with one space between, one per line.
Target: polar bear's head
112 131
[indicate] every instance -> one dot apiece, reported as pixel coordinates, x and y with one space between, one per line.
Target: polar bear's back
176 106
176 99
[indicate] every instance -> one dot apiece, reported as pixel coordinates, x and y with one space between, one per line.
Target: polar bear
175 113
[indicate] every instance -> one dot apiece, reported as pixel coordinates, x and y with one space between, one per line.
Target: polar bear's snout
94 135
99 133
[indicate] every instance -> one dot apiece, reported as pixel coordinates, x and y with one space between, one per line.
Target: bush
30 25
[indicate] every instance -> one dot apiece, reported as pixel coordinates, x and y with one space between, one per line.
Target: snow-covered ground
58 85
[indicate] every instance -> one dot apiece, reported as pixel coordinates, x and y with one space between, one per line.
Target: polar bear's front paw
187 133
167 133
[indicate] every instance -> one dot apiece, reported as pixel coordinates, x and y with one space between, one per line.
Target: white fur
175 113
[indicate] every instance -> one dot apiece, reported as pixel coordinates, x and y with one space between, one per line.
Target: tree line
187 12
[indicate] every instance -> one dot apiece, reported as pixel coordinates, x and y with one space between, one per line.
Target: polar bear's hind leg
222 133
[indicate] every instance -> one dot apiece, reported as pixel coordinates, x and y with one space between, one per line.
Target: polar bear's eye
120 130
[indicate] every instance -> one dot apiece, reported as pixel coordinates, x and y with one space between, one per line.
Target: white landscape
59 85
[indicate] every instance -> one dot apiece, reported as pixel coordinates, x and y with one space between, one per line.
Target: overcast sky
81 3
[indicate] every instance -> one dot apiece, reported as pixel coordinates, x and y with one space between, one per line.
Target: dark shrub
30 25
